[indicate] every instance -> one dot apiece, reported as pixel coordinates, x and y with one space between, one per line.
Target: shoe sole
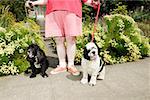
74 73
53 73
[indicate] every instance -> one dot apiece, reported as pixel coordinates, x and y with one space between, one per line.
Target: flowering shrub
13 44
122 42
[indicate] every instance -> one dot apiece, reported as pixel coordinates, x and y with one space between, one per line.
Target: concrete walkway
128 81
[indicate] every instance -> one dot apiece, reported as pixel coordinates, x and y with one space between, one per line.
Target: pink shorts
62 23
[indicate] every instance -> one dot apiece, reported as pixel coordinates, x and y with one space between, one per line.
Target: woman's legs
62 52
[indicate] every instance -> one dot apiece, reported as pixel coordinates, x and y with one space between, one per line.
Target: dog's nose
93 52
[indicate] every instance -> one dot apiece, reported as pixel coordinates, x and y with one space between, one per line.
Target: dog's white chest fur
90 66
35 63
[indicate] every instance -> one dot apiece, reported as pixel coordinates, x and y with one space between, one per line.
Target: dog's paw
26 72
100 77
84 81
44 75
32 75
92 83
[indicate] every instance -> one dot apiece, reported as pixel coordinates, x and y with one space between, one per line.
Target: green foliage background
16 7
121 42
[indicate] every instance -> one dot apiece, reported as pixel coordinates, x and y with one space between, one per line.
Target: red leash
95 23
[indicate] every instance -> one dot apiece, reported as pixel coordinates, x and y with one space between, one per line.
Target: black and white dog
92 65
38 61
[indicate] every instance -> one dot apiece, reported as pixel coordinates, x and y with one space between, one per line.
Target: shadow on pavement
74 78
53 61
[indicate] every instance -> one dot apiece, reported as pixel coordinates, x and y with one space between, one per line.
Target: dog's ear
85 54
99 49
40 56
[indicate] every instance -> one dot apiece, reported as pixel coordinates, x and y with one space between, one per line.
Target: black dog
38 61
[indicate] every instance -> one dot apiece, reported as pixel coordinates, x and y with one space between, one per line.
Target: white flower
9 49
2 29
21 50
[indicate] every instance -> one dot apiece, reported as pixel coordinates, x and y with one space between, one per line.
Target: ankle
64 67
70 64
62 64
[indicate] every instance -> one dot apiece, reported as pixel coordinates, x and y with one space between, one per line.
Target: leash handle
95 23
